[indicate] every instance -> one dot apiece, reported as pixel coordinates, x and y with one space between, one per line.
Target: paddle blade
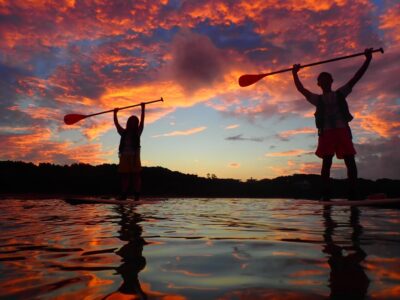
246 80
73 118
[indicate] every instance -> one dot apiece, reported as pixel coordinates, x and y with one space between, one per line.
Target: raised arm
363 68
298 83
141 124
119 127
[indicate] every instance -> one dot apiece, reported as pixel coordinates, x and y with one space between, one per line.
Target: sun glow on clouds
296 152
182 132
233 126
234 165
36 146
288 133
66 57
296 167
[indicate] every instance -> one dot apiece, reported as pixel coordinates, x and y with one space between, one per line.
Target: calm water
197 249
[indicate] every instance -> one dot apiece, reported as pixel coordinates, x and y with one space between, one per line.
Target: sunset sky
61 57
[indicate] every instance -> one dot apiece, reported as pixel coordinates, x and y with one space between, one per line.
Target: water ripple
197 249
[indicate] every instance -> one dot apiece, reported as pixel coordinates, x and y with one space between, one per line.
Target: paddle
249 79
74 118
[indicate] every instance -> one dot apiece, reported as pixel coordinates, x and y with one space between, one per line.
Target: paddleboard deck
111 201
366 202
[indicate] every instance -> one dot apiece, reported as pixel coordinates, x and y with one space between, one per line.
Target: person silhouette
332 119
129 153
347 278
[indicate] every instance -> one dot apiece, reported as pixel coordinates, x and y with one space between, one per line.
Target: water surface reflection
347 278
198 249
131 253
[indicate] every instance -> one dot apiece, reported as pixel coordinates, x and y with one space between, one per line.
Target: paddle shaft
125 107
323 62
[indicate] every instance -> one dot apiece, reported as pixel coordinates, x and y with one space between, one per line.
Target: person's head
132 124
325 81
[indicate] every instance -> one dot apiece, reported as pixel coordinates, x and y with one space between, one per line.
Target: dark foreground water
198 249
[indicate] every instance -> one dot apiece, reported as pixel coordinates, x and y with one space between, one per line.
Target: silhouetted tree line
84 179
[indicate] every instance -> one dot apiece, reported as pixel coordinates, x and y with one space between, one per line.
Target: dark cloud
9 87
240 137
379 159
196 62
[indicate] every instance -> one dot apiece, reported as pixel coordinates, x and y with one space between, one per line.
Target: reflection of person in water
348 279
133 260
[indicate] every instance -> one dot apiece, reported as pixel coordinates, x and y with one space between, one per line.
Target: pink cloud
182 132
289 133
295 152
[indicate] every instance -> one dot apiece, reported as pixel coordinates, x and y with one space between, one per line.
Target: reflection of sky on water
197 248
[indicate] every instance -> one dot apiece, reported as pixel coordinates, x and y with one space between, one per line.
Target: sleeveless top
321 115
129 144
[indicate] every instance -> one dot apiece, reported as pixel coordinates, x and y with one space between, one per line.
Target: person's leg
124 186
351 176
137 184
325 176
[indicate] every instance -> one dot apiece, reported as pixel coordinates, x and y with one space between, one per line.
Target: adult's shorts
335 141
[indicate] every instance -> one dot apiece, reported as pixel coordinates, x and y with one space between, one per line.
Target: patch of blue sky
73 136
207 151
380 8
9 73
45 64
136 52
241 37
160 35
110 143
173 5
88 44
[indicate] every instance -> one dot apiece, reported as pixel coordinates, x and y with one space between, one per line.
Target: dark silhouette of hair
132 124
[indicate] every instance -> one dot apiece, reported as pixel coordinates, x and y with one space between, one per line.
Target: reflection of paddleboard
111 201
367 202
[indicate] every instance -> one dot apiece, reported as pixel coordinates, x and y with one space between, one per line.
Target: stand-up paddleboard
386 202
111 201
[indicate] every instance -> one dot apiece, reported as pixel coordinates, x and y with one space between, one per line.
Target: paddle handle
125 107
324 61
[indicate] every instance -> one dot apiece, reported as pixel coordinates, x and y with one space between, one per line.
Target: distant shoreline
45 181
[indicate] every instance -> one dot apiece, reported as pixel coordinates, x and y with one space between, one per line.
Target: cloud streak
182 132
240 137
295 152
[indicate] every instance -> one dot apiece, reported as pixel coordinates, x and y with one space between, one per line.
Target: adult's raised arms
249 79
74 118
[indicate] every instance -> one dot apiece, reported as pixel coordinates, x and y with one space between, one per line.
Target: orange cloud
289 133
294 167
37 146
233 126
295 152
234 165
380 117
390 21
